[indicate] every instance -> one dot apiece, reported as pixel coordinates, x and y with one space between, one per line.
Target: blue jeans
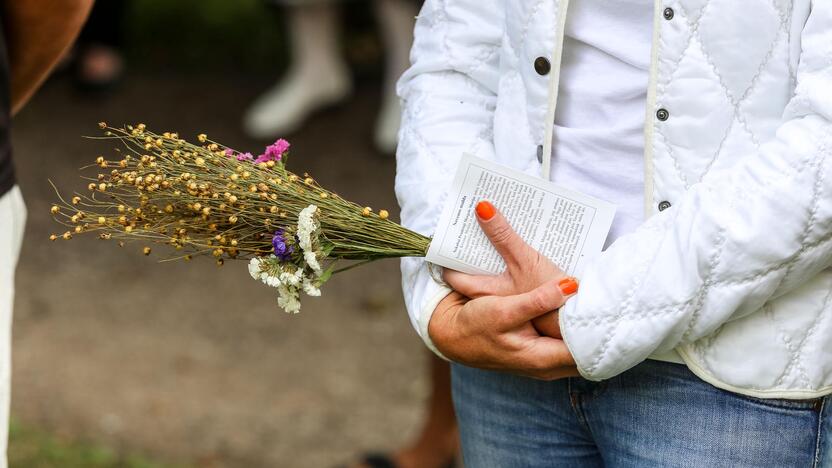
657 414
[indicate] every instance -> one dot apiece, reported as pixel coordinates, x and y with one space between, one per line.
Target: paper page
566 226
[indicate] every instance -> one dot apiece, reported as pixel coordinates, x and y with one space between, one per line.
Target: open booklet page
566 226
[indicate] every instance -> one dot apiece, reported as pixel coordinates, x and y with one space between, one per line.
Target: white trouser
12 220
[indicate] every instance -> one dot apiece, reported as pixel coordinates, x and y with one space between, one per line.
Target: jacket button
669 13
662 114
664 205
540 154
542 66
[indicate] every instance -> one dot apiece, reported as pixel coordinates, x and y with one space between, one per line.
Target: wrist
424 313
435 325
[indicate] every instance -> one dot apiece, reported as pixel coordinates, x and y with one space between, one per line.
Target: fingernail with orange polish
485 210
568 286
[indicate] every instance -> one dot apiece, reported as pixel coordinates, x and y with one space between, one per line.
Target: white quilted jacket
735 272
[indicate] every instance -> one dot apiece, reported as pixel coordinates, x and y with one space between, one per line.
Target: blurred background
119 361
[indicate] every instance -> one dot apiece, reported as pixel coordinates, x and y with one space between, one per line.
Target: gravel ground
187 362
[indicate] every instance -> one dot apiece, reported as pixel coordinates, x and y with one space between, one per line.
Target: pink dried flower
275 151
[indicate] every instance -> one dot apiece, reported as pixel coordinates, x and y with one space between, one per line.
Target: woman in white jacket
701 334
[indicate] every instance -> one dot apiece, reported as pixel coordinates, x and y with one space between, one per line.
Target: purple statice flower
274 152
229 152
245 157
282 251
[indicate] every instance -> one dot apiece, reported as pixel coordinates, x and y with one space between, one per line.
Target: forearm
448 98
38 33
433 138
729 246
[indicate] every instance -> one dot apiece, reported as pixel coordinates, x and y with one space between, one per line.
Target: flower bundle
209 200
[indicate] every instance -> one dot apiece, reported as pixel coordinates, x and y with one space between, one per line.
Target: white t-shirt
598 143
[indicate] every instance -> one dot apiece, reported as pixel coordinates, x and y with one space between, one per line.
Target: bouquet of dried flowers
208 199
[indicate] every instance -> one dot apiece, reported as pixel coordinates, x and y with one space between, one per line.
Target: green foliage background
29 448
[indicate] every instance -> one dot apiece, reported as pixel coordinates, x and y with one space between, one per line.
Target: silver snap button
540 154
664 205
669 13
662 114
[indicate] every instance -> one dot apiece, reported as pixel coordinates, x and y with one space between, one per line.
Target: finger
556 374
508 243
519 309
475 286
561 373
548 359
547 325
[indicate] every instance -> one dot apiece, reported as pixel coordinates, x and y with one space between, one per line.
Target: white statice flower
307 227
272 281
260 268
308 232
288 299
310 288
254 268
287 278
292 279
311 259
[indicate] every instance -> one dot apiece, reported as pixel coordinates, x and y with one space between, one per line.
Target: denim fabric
657 414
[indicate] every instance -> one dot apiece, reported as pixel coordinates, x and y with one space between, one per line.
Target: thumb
505 240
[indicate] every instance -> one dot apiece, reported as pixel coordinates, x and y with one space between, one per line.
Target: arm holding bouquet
448 104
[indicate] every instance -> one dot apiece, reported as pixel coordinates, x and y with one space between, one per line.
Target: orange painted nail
568 286
485 210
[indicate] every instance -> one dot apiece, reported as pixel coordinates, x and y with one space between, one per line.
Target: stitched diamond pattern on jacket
739 90
735 93
697 17
702 19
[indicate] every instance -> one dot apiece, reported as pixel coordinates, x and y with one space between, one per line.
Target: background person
318 76
35 34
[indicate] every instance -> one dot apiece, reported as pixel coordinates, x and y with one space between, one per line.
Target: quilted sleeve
448 98
729 245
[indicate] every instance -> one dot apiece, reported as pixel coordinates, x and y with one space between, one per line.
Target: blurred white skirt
12 221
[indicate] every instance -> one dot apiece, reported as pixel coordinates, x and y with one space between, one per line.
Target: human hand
526 269
493 332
